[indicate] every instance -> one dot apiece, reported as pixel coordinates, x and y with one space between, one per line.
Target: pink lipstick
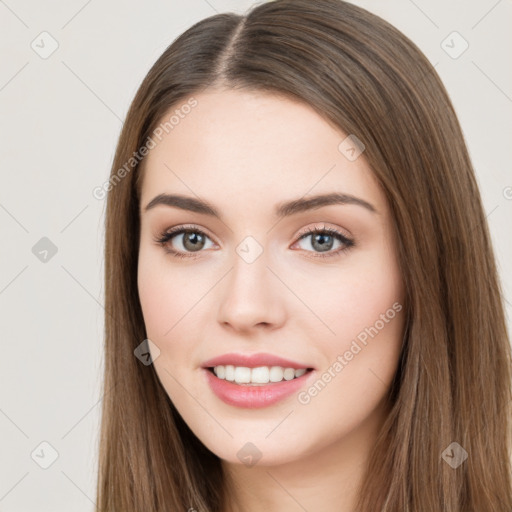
255 380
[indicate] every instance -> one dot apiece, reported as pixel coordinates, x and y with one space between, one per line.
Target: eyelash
166 235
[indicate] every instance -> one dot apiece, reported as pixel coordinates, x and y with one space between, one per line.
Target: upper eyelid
329 229
177 230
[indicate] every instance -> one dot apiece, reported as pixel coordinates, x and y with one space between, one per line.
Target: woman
303 308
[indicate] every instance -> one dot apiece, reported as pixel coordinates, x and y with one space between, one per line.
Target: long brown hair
453 383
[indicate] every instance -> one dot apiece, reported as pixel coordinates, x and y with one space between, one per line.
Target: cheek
363 306
353 295
165 301
152 299
159 291
166 291
370 325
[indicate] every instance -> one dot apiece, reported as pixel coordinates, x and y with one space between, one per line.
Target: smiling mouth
258 376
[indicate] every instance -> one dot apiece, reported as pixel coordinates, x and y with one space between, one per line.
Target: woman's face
258 277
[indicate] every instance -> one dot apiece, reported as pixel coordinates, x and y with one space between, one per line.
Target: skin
245 152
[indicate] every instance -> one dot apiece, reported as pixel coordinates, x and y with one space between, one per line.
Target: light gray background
60 120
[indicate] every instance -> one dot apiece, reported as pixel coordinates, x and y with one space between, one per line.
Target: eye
192 240
323 239
188 239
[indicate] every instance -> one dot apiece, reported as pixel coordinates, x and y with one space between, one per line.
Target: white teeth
259 375
242 375
276 374
221 372
230 372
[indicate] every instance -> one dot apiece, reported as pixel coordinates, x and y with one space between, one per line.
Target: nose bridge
250 263
249 295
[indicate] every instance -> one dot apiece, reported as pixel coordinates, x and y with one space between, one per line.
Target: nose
251 296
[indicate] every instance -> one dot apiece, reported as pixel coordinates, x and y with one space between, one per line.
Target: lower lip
253 397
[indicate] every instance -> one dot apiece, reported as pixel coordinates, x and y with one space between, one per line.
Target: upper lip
253 361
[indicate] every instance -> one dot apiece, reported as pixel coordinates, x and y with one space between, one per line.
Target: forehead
253 146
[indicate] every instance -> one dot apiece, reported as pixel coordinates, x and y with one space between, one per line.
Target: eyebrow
284 209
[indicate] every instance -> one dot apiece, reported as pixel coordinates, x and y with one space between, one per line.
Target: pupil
324 246
194 239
